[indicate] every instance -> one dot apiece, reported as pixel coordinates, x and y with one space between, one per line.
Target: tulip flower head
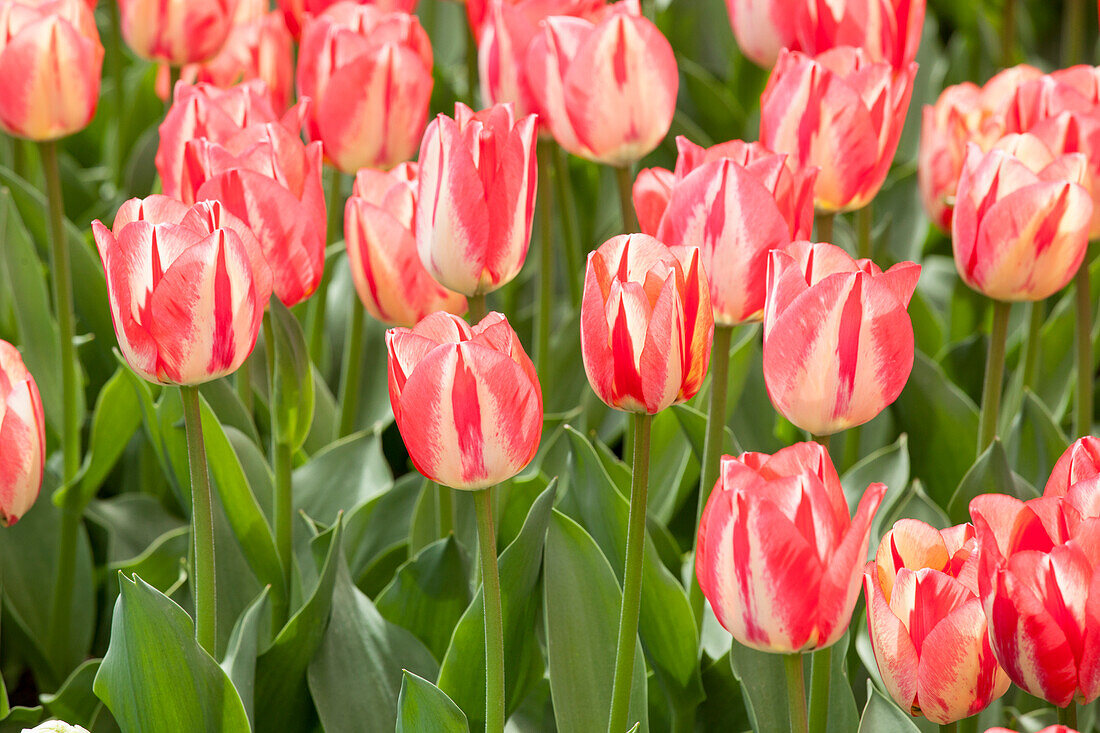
1048 729
888 30
50 62
646 323
779 557
466 399
927 627
22 437
838 341
1080 463
176 32
187 288
764 27
296 12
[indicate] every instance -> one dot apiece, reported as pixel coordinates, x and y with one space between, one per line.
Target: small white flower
55 726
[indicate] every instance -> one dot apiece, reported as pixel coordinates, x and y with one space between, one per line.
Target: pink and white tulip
296 12
764 27
888 30
22 437
176 32
1079 463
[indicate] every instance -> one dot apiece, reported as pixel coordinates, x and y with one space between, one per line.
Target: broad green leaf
764 686
222 398
881 715
155 677
75 702
293 398
914 503
674 470
424 708
249 635
889 465
1035 442
379 526
19 719
990 474
724 707
694 424
344 475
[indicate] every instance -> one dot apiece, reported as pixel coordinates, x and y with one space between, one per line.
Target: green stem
625 180
477 309
472 72
820 673
494 619
796 692
851 446
865 245
949 728
994 375
824 222
567 210
319 299
1067 716
62 601
444 509
1008 34
968 725
1083 414
119 96
632 577
202 523
1034 337
173 77
546 264
244 385
1073 32
824 440
353 364
281 462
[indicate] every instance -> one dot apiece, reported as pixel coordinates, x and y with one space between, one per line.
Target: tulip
1037 579
840 112
764 27
176 32
607 90
22 437
50 61
369 74
1021 219
927 628
295 12
779 557
187 288
381 238
268 178
476 197
650 194
888 30
1048 729
1079 463
838 342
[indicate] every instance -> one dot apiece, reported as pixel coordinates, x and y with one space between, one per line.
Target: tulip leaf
581 600
888 465
990 474
293 398
882 715
380 526
694 424
75 702
344 475
249 634
424 708
1035 441
155 677
226 404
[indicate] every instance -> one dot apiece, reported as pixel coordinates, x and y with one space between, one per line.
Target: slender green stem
796 692
1083 413
319 299
444 509
625 179
713 443
1073 32
334 206
477 309
353 365
968 725
851 446
62 601
824 440
1008 34
567 210
821 671
281 461
202 524
865 245
824 222
994 375
949 728
1034 338
546 264
494 617
1067 716
119 96
173 77
632 577
244 385
472 74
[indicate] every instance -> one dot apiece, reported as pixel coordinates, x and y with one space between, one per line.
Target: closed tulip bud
646 323
466 400
840 112
764 27
1038 582
927 628
380 231
607 90
1021 219
838 341
1041 98
478 177
296 12
779 557
187 288
22 437
268 178
888 30
369 74
50 62
176 32
1080 463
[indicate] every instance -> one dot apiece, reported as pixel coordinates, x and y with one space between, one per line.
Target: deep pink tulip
176 32
840 112
838 341
380 231
466 400
1080 463
1048 729
187 287
369 74
296 12
779 557
646 323
478 177
50 63
888 30
926 623
764 27
606 90
22 437
1021 220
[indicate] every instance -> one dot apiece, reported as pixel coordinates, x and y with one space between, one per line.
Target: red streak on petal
626 380
221 352
467 416
1044 237
847 349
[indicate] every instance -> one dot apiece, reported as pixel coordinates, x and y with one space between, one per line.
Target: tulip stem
494 617
244 385
62 601
1083 415
1067 716
444 509
713 444
282 466
1073 29
567 209
796 692
119 96
472 75
319 300
865 245
820 672
1034 337
546 264
353 364
632 577
824 440
626 201
994 375
824 222
202 523
1008 34
476 308
949 727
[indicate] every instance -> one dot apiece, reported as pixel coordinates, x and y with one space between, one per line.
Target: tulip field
438 366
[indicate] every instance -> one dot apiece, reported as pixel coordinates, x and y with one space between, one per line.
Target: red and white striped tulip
50 63
369 74
380 231
478 176
838 341
176 32
1079 463
779 557
928 631
22 437
888 30
840 112
607 90
764 27
296 12
1021 221
646 323
1048 729
187 288
466 399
